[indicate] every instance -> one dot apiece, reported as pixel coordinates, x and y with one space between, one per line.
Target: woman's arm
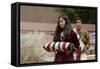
75 40
76 43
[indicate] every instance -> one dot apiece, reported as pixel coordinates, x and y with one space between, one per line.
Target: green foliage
86 15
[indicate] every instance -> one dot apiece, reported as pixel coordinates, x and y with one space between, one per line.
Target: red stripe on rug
64 46
48 46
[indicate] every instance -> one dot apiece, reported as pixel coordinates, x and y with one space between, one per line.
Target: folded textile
58 46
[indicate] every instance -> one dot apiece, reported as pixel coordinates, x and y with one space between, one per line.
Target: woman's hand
70 48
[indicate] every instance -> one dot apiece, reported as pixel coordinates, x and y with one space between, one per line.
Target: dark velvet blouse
63 56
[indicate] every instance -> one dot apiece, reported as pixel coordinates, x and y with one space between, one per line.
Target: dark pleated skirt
63 57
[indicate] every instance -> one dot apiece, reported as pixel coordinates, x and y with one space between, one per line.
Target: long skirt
63 57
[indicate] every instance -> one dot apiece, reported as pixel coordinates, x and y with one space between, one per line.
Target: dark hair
77 18
67 28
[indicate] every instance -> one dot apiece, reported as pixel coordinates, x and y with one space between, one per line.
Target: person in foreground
64 33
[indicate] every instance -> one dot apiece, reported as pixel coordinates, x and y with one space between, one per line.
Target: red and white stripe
51 46
57 47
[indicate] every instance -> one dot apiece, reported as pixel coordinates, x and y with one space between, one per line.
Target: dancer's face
61 22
